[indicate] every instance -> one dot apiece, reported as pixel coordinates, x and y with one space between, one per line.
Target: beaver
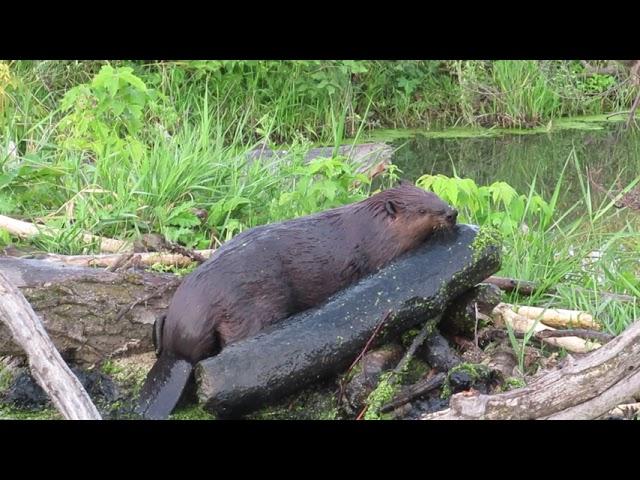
270 272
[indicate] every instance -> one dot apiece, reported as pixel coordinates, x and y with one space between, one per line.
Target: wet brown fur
271 272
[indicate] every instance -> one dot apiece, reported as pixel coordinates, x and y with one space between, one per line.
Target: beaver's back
259 277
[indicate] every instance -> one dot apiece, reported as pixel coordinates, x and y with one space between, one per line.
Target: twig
528 288
119 262
475 328
576 332
426 330
158 293
361 354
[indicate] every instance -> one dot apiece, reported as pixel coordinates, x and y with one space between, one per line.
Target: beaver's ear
391 208
404 181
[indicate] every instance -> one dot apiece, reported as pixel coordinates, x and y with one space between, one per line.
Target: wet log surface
321 342
90 314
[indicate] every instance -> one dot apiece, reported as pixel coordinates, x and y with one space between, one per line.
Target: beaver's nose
452 215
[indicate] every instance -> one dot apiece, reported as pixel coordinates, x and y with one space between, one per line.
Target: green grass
287 101
581 251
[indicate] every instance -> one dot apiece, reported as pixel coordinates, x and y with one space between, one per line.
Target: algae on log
323 341
87 312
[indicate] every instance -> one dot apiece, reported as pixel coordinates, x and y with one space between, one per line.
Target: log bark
27 230
50 371
90 314
586 388
110 260
321 342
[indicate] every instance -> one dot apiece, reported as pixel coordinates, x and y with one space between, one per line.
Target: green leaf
127 75
7 178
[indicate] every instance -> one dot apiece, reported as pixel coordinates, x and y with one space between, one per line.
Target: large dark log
90 314
318 343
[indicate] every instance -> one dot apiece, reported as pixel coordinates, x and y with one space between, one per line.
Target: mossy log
582 389
323 341
90 314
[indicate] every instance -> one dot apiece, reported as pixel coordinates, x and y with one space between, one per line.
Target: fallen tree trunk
586 388
50 371
321 342
90 314
27 230
111 259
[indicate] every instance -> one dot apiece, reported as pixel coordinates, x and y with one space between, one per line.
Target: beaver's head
415 213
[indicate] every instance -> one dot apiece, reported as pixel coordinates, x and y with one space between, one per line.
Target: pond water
610 152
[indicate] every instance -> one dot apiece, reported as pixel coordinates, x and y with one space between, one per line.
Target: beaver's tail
164 386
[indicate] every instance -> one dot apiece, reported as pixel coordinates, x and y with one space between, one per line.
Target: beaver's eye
422 211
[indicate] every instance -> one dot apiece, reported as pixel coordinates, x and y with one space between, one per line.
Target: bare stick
426 330
361 354
27 230
51 372
158 293
525 287
113 260
576 332
414 391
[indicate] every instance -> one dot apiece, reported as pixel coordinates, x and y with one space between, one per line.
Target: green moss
180 271
512 383
12 413
128 375
110 368
5 379
475 370
416 370
311 404
408 336
192 413
486 236
383 394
